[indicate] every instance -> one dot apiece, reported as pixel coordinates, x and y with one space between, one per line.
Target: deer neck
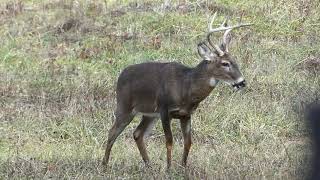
202 81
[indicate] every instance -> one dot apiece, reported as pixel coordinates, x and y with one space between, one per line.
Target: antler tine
225 35
211 22
225 23
210 31
229 27
223 27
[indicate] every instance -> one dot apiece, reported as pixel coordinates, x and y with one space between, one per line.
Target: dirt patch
68 25
310 65
12 8
57 4
117 13
143 6
181 7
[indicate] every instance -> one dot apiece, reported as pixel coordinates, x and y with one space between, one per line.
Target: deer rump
149 87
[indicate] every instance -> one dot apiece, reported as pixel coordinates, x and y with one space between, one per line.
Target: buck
172 91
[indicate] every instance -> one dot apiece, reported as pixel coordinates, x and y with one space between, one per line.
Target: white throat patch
239 80
213 82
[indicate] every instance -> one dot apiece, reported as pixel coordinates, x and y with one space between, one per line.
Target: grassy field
59 61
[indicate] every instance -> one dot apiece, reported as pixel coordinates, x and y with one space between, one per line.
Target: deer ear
205 52
226 41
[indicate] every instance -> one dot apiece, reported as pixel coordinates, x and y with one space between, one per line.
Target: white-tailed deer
172 90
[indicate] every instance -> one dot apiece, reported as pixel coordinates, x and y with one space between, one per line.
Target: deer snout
239 83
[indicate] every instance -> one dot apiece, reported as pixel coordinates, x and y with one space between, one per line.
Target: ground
59 61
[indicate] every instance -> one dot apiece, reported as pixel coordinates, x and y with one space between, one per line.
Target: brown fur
170 90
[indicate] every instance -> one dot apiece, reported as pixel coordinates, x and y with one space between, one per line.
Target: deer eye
225 64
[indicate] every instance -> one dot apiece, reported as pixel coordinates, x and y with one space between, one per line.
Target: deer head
221 63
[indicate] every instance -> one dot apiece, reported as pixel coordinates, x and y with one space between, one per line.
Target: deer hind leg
142 131
122 120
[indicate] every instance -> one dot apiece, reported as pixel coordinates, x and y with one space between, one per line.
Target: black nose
243 83
239 84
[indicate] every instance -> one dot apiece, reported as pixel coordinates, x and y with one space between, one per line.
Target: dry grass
59 61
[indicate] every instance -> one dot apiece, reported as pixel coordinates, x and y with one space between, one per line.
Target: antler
223 27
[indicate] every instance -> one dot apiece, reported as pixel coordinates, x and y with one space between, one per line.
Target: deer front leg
186 131
166 120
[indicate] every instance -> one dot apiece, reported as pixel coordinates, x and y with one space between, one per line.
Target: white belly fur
154 115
